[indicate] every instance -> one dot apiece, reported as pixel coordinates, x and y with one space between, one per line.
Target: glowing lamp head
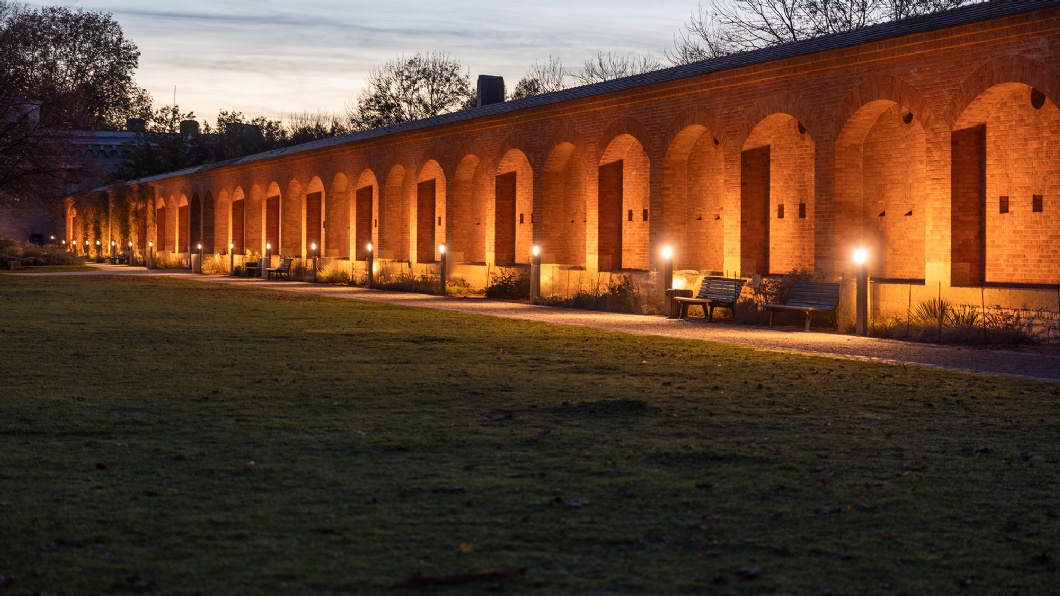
130 244
231 245
860 256
64 242
441 249
53 237
97 242
150 244
314 246
268 246
113 243
369 247
200 247
536 250
668 253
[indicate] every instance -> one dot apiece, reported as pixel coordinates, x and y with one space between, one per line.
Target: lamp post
200 258
129 262
369 265
861 300
268 258
535 273
113 248
231 258
99 249
668 278
151 255
441 268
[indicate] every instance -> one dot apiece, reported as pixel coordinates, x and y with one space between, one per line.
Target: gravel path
1032 362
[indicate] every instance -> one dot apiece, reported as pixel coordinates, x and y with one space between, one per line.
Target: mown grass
51 269
383 439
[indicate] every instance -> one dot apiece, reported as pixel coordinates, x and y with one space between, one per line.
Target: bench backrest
285 265
810 294
720 289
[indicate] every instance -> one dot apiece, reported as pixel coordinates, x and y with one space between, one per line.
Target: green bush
509 284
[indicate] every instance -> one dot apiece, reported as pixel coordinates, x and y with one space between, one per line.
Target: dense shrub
509 284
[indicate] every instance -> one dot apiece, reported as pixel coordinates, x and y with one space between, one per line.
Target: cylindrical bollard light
369 262
151 250
535 274
441 268
668 279
231 258
200 259
268 258
861 299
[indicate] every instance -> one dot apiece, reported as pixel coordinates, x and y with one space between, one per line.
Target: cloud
267 57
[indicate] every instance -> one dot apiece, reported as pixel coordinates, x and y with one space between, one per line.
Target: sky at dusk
273 58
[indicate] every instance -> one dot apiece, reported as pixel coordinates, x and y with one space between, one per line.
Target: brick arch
567 180
690 116
777 186
337 217
292 222
514 219
430 220
565 132
693 197
776 103
624 125
316 200
518 142
364 212
435 151
1004 69
468 211
394 232
622 202
882 88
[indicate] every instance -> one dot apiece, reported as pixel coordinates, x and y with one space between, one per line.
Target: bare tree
411 88
607 66
701 38
541 78
743 25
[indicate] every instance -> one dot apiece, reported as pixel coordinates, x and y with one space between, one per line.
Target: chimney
135 125
189 127
490 90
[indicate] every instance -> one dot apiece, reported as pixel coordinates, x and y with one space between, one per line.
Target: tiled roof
952 18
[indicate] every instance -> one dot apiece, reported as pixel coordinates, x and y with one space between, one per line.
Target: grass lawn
52 269
168 436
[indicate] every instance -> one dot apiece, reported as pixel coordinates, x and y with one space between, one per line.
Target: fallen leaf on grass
447 490
101 466
249 467
749 572
420 579
465 548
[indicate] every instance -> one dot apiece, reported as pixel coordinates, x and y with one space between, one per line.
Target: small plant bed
621 295
335 446
941 321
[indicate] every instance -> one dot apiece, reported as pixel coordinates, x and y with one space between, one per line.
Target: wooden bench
713 292
283 269
252 269
810 297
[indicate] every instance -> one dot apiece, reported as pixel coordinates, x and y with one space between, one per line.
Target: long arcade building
932 142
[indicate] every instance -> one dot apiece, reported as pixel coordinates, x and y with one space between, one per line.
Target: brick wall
834 123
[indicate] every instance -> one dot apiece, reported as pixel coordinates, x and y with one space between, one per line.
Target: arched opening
209 216
1005 188
337 219
393 231
314 216
564 206
161 239
222 222
776 197
513 221
239 222
195 223
693 199
622 205
880 200
272 218
467 214
292 208
430 212
183 224
365 207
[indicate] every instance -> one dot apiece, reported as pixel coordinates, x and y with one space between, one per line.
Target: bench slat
713 292
810 297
